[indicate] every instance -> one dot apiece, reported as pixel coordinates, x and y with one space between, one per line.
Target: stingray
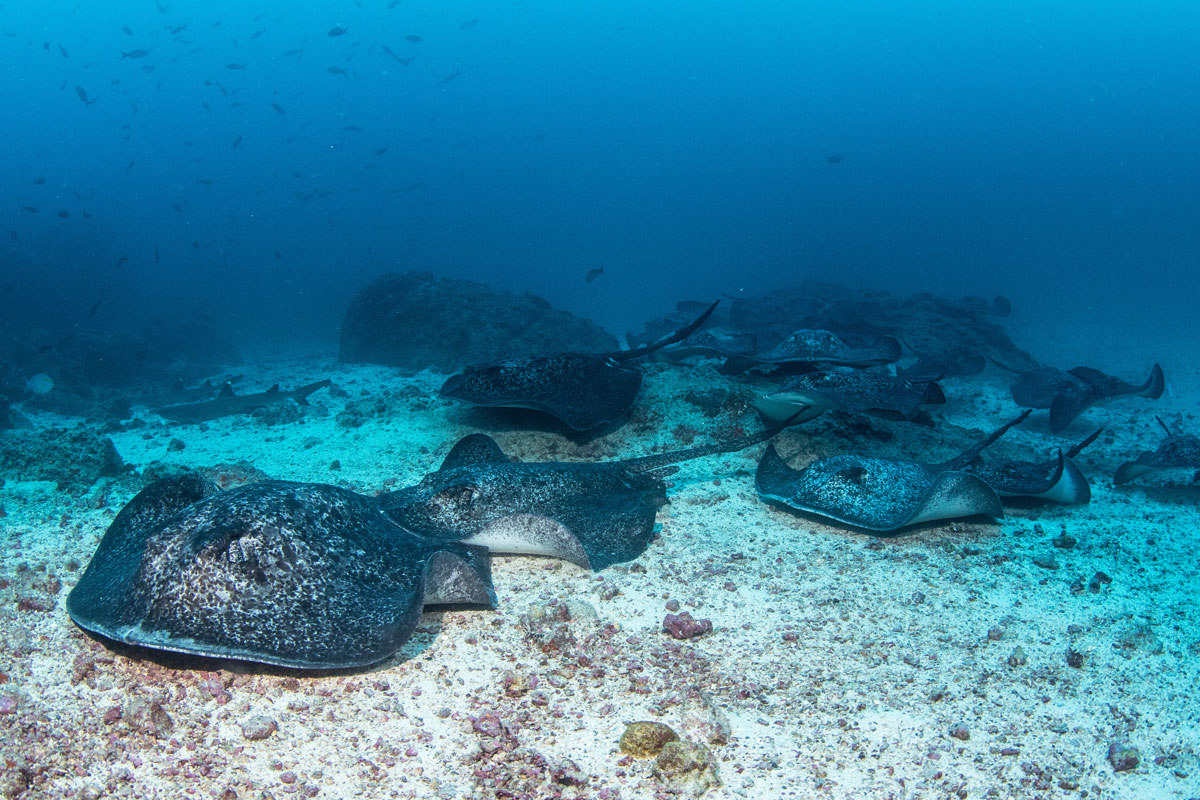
582 390
875 393
822 348
301 575
228 403
1069 394
1058 480
1178 451
591 514
876 494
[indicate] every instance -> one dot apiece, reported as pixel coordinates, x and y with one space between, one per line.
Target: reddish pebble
683 626
288 777
8 704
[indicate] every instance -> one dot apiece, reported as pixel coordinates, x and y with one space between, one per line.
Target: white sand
835 678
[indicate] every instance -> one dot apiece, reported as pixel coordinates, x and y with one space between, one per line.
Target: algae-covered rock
646 739
686 767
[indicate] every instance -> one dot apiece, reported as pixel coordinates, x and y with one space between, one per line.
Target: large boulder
416 321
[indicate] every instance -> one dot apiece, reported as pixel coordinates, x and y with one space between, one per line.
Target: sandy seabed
926 665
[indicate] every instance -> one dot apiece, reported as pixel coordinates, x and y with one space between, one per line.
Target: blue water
1043 150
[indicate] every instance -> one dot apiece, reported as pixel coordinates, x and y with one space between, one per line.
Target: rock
258 727
1123 756
1017 657
702 720
646 739
1064 540
686 768
416 321
74 459
148 716
1138 635
1045 562
1098 582
683 626
960 731
1074 658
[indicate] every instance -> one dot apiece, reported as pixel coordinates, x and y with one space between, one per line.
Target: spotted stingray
1068 394
591 514
302 575
1177 451
1058 481
882 495
582 390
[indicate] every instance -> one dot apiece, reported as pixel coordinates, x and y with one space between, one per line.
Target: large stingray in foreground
583 390
1068 394
866 392
1177 451
591 514
291 574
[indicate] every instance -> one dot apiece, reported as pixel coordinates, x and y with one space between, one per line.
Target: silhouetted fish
337 71
39 180
235 66
83 95
449 78
141 52
338 30
125 29
258 33
237 141
836 158
64 52
462 26
278 108
593 274
30 209
412 37
63 213
179 29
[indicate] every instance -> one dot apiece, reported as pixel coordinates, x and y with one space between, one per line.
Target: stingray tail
971 453
1077 449
677 336
657 462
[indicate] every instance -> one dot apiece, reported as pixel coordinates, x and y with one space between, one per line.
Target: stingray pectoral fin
1130 471
532 535
957 494
477 448
778 407
1068 484
462 575
1155 385
1065 407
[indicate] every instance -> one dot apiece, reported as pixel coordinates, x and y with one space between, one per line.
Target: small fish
205 181
64 52
338 71
352 128
83 95
593 274
412 37
338 30
39 383
30 209
141 52
462 26
39 180
449 78
207 107
836 158
278 256
64 214
393 4
258 33
381 150
278 108
295 51
128 31
237 141
122 260
179 29
95 307
235 66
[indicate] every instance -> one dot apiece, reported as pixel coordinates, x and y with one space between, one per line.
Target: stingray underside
288 574
875 494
